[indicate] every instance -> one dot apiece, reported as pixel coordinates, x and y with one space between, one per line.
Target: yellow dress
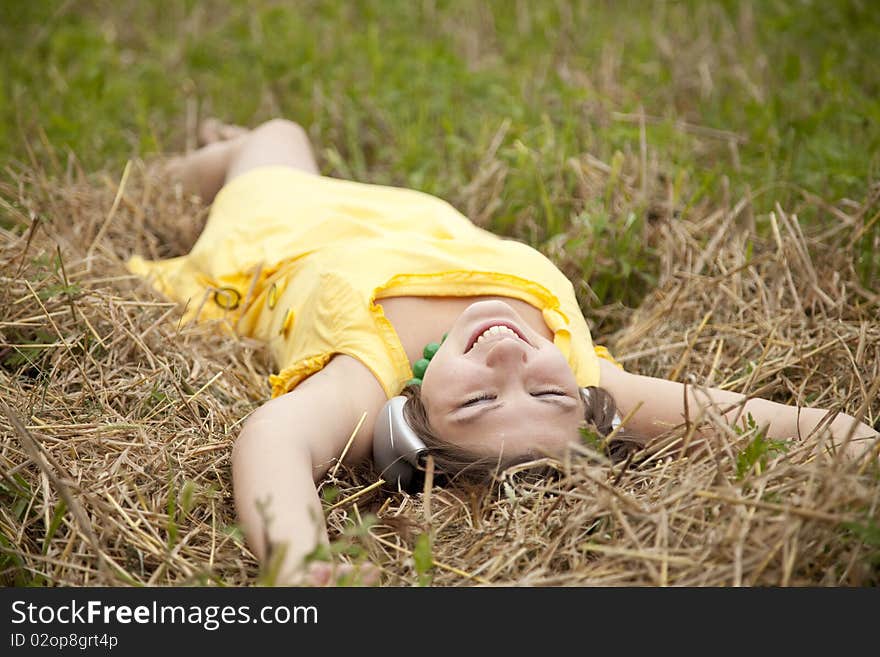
300 260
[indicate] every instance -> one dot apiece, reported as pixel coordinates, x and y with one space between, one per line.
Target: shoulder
611 374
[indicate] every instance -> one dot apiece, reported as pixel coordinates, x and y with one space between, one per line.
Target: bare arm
663 407
286 446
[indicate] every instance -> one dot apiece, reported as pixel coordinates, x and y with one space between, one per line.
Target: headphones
397 450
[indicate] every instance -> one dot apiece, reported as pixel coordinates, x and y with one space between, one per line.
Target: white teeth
495 331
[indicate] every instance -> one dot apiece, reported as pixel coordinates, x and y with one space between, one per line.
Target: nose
508 352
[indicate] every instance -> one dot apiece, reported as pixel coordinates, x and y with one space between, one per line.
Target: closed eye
477 399
554 393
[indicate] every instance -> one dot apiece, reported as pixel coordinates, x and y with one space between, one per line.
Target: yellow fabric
604 354
300 260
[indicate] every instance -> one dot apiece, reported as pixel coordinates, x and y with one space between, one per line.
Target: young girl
365 292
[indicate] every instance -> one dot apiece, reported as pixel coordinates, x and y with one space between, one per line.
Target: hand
862 436
325 573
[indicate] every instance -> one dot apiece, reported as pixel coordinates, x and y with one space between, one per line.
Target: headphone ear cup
587 397
397 449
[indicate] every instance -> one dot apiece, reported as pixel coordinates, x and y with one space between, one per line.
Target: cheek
554 365
444 371
447 380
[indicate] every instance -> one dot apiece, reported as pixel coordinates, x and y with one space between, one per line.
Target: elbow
248 435
259 432
267 441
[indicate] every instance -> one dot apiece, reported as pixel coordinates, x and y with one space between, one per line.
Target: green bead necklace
421 365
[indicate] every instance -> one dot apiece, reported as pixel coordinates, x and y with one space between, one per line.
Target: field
706 173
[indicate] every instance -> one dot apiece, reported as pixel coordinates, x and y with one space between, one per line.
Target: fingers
322 574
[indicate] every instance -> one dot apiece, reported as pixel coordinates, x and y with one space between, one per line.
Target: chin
490 307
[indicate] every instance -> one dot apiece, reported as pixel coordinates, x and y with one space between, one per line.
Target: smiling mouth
494 331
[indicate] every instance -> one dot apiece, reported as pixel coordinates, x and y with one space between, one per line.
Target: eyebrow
559 402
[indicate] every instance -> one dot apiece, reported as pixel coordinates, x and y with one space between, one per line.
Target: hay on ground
117 422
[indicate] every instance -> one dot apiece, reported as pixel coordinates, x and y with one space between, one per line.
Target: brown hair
456 463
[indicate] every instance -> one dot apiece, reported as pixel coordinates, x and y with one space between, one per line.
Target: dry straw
117 422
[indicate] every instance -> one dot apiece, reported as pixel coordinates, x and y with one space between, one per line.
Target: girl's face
496 387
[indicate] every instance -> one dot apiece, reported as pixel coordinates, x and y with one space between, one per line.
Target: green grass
399 93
